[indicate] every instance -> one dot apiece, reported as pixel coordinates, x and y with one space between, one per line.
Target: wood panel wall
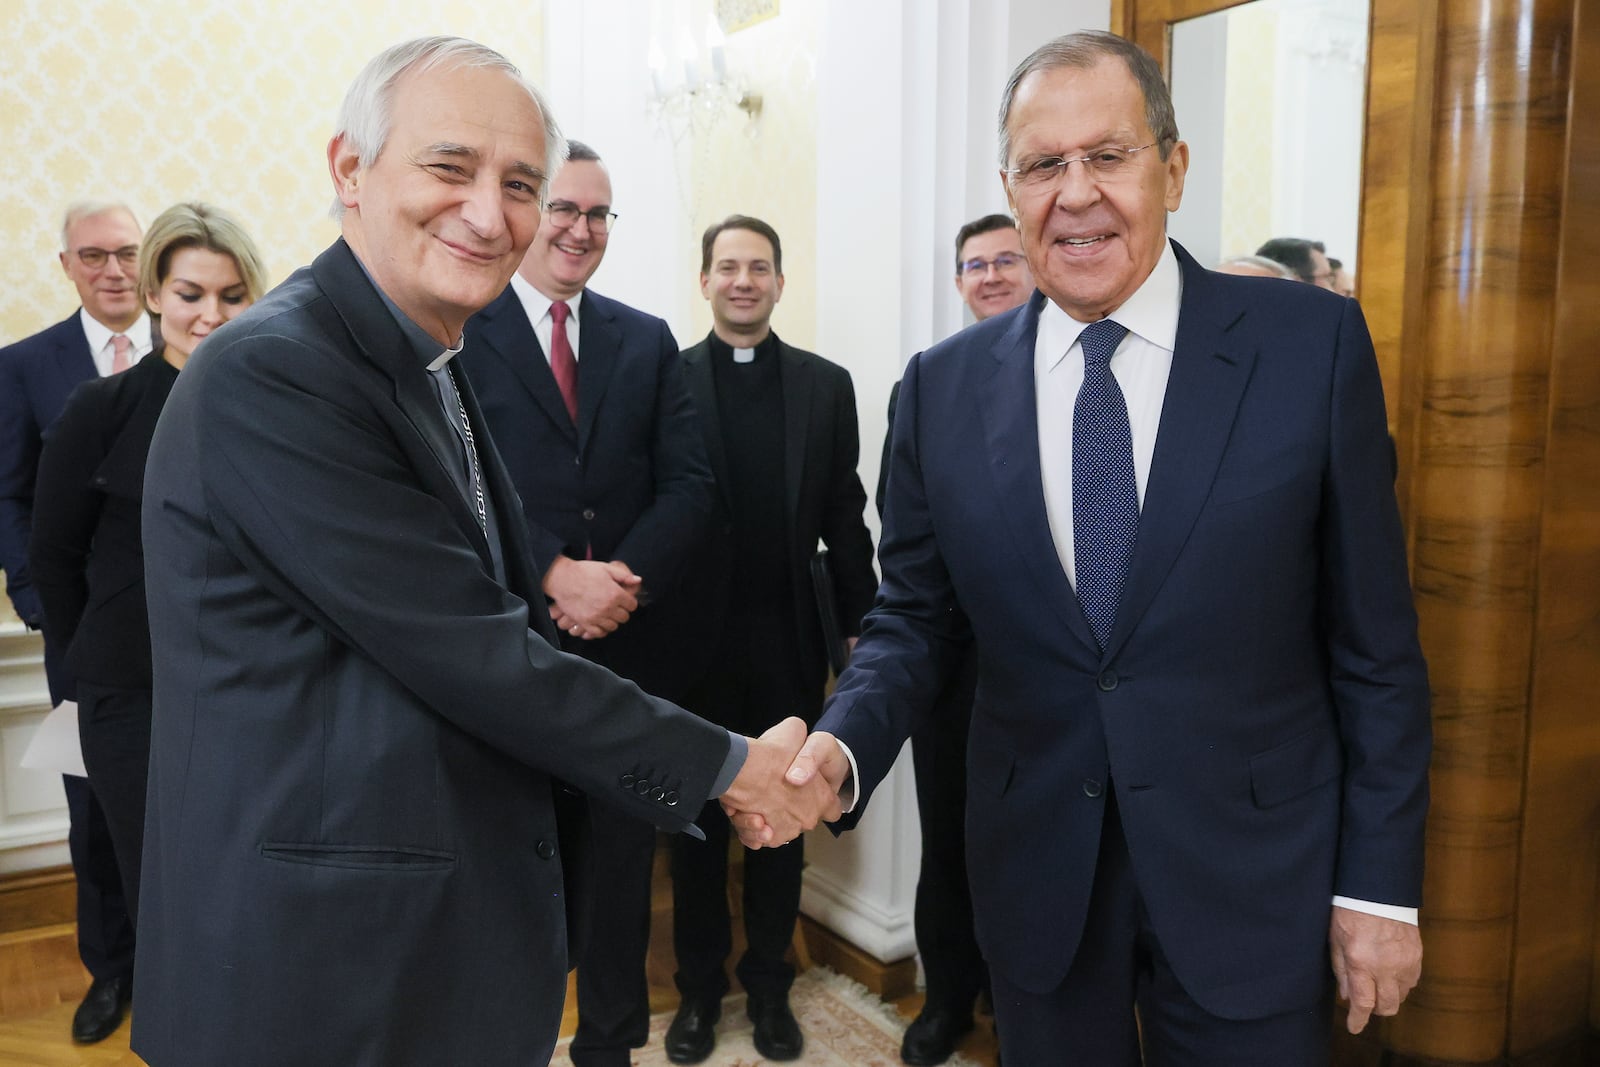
1481 281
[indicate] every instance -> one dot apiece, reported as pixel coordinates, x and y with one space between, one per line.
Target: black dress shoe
101 1012
777 1036
693 1033
932 1036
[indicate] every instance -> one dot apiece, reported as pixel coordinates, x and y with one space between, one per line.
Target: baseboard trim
888 980
33 899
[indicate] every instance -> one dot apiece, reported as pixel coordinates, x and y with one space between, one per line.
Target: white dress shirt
537 307
100 335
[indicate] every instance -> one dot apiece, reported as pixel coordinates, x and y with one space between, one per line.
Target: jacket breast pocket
1238 482
1294 768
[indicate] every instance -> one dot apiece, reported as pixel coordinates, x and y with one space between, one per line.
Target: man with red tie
108 333
585 399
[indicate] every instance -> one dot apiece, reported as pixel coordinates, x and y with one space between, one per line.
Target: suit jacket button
657 793
588 514
627 781
642 787
1092 788
671 799
545 850
1107 681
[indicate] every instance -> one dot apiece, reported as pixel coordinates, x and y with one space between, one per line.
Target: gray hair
1271 266
79 210
1081 51
366 114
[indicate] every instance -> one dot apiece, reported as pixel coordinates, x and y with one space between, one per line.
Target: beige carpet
844 1025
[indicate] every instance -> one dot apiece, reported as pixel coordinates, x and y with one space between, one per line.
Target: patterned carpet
844 1025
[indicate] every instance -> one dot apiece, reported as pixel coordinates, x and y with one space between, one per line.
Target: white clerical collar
1151 312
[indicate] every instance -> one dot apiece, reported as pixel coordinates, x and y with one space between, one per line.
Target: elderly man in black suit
107 334
369 755
780 427
586 402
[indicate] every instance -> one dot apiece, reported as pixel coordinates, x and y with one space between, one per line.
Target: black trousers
1120 969
114 730
702 933
105 930
613 992
951 961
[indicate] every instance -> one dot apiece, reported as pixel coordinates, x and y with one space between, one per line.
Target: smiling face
109 292
743 286
443 215
201 291
562 259
993 289
1090 245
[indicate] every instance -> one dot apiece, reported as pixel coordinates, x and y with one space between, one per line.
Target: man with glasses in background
585 399
108 333
1157 501
992 276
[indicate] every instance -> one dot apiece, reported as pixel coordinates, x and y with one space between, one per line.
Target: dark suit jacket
352 850
630 481
822 495
37 374
1262 705
86 554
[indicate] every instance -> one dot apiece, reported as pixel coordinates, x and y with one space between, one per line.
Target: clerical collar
426 348
762 350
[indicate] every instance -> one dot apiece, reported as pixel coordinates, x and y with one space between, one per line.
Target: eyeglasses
1003 262
95 258
565 213
1106 165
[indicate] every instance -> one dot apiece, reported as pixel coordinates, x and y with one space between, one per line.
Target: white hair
366 114
79 210
1271 266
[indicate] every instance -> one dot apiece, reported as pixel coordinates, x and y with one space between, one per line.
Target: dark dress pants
613 992
114 730
951 961
105 930
1120 968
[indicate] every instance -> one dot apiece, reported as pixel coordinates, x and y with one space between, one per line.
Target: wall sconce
690 87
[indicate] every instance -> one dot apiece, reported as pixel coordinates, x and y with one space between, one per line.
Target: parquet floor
41 982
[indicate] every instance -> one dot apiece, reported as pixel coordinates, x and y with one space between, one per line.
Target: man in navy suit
110 332
617 491
1157 501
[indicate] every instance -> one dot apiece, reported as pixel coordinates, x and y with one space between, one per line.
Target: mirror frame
1395 183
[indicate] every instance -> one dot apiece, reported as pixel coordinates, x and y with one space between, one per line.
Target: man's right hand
591 598
769 803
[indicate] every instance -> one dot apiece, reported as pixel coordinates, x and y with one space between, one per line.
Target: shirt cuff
847 789
1385 911
738 751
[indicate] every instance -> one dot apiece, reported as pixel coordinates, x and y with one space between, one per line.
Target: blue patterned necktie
1105 497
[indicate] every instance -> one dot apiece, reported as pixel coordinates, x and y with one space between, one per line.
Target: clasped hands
591 598
788 784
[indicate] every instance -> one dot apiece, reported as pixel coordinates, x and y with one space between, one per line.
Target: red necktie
563 364
121 353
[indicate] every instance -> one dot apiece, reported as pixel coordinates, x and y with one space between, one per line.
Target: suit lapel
797 383
1009 406
1203 392
74 363
510 338
703 392
600 344
377 336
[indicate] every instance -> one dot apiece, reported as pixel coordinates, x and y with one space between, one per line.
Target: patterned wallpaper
230 103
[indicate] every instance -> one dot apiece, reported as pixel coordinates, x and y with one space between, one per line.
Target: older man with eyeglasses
1156 501
108 333
585 399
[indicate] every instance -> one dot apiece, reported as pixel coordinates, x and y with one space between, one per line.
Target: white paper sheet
55 744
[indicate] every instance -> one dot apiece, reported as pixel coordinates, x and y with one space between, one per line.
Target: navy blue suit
629 481
37 374
1261 707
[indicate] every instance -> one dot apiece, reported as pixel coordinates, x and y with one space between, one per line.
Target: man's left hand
1376 960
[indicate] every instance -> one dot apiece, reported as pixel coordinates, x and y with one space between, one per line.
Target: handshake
788 784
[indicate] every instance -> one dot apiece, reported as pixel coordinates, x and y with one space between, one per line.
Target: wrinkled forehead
1067 109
